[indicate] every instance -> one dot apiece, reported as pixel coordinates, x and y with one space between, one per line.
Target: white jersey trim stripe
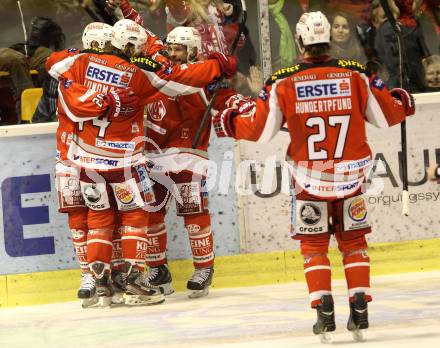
316 295
142 239
315 268
170 88
70 113
353 291
101 241
373 111
274 118
357 264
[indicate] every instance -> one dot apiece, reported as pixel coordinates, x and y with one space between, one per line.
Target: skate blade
104 301
359 335
326 338
167 289
89 302
118 298
143 300
198 293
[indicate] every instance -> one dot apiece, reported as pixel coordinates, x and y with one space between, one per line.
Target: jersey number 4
316 152
101 122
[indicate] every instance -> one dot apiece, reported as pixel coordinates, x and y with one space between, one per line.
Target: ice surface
405 313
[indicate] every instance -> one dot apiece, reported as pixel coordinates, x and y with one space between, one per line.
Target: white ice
405 313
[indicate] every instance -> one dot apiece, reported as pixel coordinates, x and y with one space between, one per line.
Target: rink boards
251 214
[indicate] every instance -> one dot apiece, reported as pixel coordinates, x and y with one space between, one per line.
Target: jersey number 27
315 152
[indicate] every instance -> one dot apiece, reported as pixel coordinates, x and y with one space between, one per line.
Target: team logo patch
263 94
67 83
310 214
193 228
77 234
156 110
378 83
92 194
357 210
123 193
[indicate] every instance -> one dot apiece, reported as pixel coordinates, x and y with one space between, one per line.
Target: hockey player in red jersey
171 125
325 103
108 147
96 36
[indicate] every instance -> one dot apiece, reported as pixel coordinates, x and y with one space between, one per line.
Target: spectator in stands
45 36
414 49
14 68
345 41
431 66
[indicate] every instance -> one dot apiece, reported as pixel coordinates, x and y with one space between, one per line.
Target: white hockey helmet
127 31
96 31
188 36
312 28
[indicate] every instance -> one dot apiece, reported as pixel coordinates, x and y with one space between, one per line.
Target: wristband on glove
222 123
406 99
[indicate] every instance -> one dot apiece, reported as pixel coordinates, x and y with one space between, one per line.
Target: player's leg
193 207
352 219
202 248
101 223
131 198
158 273
310 225
71 201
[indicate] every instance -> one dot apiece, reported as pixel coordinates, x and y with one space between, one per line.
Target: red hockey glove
228 64
406 99
122 102
222 122
245 106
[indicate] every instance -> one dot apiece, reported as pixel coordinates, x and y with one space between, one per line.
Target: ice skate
358 321
200 282
119 284
160 277
326 319
139 292
87 291
104 289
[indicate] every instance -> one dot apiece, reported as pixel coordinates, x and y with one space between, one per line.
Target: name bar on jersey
319 106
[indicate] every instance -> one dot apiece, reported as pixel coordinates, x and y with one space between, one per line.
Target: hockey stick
404 157
219 82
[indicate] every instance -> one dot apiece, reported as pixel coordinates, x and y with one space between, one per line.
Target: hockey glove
122 102
222 122
245 106
406 99
228 64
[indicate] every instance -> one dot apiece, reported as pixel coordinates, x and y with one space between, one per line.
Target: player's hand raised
228 64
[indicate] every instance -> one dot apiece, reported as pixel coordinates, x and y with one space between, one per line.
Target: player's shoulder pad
350 64
146 63
286 72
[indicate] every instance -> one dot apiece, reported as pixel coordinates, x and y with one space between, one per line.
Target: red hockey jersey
172 123
103 144
325 105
